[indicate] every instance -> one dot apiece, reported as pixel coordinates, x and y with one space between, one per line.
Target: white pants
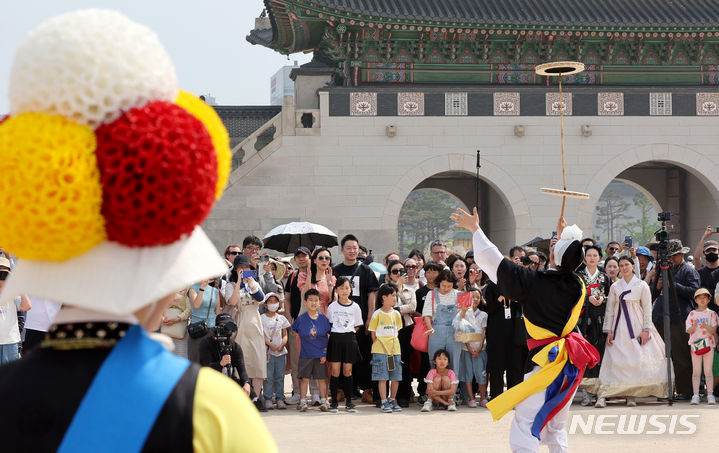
554 433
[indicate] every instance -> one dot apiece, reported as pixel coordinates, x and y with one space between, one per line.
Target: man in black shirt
364 292
211 348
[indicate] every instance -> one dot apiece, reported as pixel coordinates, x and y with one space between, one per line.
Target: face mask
273 307
712 257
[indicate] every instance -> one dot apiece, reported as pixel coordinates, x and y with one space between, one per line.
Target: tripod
668 288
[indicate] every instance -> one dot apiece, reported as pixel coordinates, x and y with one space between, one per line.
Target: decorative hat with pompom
108 168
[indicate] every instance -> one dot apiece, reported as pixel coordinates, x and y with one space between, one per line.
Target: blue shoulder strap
121 406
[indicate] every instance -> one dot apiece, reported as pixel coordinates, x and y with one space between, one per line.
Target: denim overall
443 336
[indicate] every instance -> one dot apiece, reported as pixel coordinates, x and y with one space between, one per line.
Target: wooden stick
561 128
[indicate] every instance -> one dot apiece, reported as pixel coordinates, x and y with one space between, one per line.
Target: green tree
642 229
610 212
423 218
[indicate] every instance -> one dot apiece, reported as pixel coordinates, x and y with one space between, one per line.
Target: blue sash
121 406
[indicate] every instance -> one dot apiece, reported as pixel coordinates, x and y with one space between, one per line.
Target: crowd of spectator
344 331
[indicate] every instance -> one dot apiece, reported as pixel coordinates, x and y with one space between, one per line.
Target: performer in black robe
551 302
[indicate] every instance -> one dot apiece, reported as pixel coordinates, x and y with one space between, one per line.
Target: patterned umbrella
288 237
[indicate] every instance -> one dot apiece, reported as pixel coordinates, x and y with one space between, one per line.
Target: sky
206 41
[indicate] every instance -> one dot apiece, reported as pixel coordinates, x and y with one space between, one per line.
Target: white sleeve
228 290
330 311
427 309
636 268
486 255
646 299
358 316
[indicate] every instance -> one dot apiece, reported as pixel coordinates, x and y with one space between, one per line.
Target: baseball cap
4 262
645 251
711 244
223 317
303 250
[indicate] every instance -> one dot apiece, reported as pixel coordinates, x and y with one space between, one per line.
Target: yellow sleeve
224 419
373 322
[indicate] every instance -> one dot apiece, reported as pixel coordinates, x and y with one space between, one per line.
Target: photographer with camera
220 352
686 281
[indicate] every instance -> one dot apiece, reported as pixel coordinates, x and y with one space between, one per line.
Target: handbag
199 329
701 347
419 340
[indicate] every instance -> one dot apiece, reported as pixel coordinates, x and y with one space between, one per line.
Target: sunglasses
233 253
324 258
396 271
411 267
613 249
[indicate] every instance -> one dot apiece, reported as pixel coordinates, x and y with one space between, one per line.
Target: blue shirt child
313 335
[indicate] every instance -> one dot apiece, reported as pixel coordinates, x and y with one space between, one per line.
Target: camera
223 335
664 216
265 258
526 260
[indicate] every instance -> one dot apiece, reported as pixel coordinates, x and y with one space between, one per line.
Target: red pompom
158 171
3 118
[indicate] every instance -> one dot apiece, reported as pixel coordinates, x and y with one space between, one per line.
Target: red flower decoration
158 171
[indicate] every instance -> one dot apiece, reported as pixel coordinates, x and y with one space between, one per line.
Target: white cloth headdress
569 234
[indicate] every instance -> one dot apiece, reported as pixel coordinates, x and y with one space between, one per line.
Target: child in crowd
701 325
439 310
441 383
470 325
386 352
275 330
313 329
345 316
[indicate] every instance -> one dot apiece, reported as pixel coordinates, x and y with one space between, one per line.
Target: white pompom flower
90 66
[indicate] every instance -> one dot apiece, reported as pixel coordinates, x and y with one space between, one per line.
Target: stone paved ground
473 429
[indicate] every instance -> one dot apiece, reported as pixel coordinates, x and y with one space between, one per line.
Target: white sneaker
269 405
711 399
294 399
427 406
452 407
695 400
601 402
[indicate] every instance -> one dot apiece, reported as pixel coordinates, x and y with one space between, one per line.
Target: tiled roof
611 13
242 121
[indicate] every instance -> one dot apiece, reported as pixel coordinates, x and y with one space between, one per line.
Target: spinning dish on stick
559 69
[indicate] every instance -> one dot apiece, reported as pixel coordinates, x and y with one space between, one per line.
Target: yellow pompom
50 192
220 138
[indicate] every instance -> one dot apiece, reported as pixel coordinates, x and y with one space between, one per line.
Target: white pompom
90 66
572 233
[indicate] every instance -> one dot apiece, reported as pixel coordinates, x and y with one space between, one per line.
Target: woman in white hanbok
634 364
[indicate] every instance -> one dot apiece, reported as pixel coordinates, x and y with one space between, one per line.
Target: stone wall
353 178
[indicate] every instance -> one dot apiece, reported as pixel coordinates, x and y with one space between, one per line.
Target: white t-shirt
344 318
273 327
447 299
9 332
414 287
41 316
